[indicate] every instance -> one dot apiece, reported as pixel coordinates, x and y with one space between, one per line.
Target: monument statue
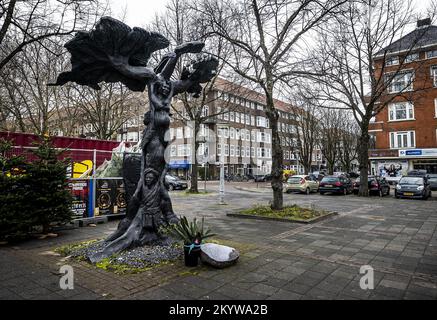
113 52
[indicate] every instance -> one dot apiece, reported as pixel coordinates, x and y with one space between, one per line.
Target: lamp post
222 164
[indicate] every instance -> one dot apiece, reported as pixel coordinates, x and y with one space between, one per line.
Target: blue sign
413 152
179 164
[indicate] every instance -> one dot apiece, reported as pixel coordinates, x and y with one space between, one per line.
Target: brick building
243 134
405 131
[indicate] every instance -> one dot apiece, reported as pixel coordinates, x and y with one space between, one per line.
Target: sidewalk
279 260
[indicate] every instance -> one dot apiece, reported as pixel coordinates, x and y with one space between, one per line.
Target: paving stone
285 295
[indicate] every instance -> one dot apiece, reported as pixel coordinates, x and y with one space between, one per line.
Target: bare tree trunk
363 156
194 167
277 156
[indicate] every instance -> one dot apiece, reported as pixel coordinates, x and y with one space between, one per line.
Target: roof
252 95
418 38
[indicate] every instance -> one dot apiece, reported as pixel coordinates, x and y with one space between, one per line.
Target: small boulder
218 256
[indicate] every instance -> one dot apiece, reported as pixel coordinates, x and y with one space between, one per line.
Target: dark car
377 185
174 183
263 178
432 179
417 173
413 187
335 184
353 175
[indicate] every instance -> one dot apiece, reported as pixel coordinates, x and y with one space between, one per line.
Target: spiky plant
191 231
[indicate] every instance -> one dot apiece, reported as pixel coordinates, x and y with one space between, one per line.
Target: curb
313 220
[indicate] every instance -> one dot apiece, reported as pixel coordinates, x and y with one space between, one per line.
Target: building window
226 150
247 135
173 151
205 111
252 152
188 132
237 117
400 82
232 130
179 133
261 122
252 120
431 54
184 150
232 151
435 107
401 111
219 149
392 61
404 139
248 152
237 151
434 75
411 57
232 116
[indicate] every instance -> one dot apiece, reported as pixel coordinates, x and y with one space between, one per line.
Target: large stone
218 256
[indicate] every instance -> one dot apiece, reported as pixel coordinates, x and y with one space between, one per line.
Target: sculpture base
165 249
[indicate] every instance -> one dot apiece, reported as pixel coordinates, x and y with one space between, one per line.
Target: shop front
179 168
421 159
396 163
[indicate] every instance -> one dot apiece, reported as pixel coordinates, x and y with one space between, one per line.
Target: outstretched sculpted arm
199 71
121 64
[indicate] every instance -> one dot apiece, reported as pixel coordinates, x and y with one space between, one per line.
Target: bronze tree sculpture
113 52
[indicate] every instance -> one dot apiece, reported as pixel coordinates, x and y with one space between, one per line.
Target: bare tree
348 146
265 36
305 133
179 23
330 135
32 21
107 109
345 69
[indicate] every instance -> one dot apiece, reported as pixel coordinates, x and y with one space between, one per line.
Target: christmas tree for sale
49 197
16 219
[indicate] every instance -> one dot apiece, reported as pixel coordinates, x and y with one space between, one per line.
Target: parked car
377 185
353 175
432 179
319 175
302 183
335 184
263 178
417 173
174 183
413 187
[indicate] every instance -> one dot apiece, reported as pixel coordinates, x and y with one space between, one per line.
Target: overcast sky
141 12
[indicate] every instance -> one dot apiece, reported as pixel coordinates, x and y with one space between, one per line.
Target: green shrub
32 194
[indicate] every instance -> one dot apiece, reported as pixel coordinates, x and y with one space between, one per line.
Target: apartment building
240 133
404 133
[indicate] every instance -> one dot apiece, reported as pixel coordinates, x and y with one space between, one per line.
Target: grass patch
293 212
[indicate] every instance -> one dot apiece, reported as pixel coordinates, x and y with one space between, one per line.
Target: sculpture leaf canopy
90 52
